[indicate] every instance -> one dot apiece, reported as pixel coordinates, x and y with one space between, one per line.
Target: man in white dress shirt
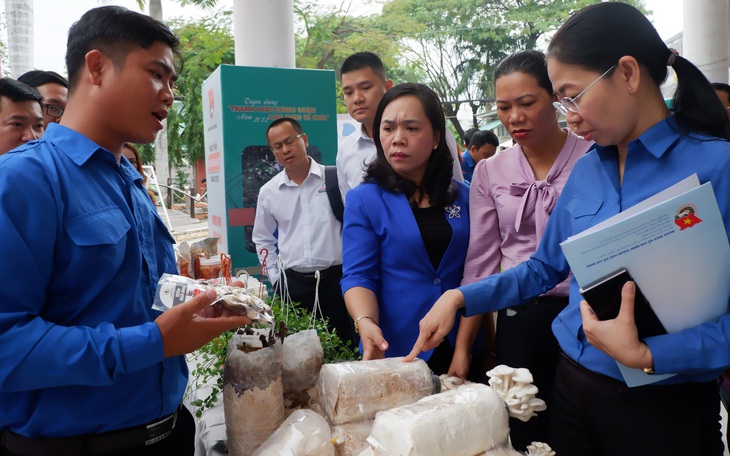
294 213
363 85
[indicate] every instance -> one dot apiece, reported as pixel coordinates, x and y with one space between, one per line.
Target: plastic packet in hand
174 289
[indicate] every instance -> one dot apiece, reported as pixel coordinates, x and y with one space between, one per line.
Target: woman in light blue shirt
606 64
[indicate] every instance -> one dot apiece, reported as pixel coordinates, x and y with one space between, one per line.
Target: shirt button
437 281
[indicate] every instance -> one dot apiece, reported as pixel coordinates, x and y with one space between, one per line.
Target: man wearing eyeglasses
21 119
296 226
53 88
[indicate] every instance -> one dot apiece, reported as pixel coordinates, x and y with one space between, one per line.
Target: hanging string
317 308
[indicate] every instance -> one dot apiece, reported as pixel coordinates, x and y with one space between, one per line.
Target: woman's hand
437 323
460 364
373 344
618 338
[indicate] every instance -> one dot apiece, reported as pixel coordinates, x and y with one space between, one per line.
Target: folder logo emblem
686 217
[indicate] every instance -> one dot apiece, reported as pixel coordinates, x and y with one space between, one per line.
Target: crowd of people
409 247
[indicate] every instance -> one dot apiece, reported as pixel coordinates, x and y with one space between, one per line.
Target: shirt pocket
105 226
161 228
582 212
321 208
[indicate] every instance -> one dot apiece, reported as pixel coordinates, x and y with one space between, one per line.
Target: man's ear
388 84
95 64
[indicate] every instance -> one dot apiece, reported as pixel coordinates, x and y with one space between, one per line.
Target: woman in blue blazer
406 233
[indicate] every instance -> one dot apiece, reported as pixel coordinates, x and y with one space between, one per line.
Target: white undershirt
309 237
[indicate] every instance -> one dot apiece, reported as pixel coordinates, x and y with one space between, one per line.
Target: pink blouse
509 209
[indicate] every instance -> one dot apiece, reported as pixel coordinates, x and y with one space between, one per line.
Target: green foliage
211 357
181 182
146 153
298 319
205 44
458 43
326 35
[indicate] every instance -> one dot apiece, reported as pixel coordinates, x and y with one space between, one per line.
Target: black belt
323 274
92 444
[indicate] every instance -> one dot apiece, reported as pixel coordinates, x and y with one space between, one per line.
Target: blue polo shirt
659 158
467 166
83 249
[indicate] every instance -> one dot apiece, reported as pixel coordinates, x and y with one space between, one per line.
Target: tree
459 42
325 36
205 44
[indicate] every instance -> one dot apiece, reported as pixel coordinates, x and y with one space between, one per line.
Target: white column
705 38
19 15
264 33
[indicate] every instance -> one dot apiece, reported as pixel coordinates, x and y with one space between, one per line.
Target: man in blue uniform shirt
92 368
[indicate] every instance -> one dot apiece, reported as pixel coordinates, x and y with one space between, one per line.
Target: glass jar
210 268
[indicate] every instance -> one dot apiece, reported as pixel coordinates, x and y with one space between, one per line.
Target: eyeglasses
569 103
53 110
276 147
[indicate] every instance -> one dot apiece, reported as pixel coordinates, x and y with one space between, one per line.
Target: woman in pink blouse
511 197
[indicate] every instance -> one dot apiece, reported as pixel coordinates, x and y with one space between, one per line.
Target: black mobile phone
604 297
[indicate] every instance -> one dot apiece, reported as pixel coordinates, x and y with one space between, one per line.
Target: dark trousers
180 443
525 338
599 416
302 288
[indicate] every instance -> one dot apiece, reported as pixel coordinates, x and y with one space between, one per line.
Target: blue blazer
382 250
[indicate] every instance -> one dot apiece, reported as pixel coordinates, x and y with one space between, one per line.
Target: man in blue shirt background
482 145
93 369
21 119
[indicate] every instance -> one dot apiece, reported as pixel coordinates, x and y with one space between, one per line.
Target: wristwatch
357 323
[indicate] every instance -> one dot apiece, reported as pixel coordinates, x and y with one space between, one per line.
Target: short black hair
36 78
114 30
468 135
18 91
296 125
483 137
360 60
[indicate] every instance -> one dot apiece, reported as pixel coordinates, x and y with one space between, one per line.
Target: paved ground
182 226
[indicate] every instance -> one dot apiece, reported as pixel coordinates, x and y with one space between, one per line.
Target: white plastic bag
357 390
464 421
304 433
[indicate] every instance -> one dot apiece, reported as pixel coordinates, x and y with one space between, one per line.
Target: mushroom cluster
516 388
539 449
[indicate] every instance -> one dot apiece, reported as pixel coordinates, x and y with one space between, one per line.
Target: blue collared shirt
467 166
83 249
659 158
